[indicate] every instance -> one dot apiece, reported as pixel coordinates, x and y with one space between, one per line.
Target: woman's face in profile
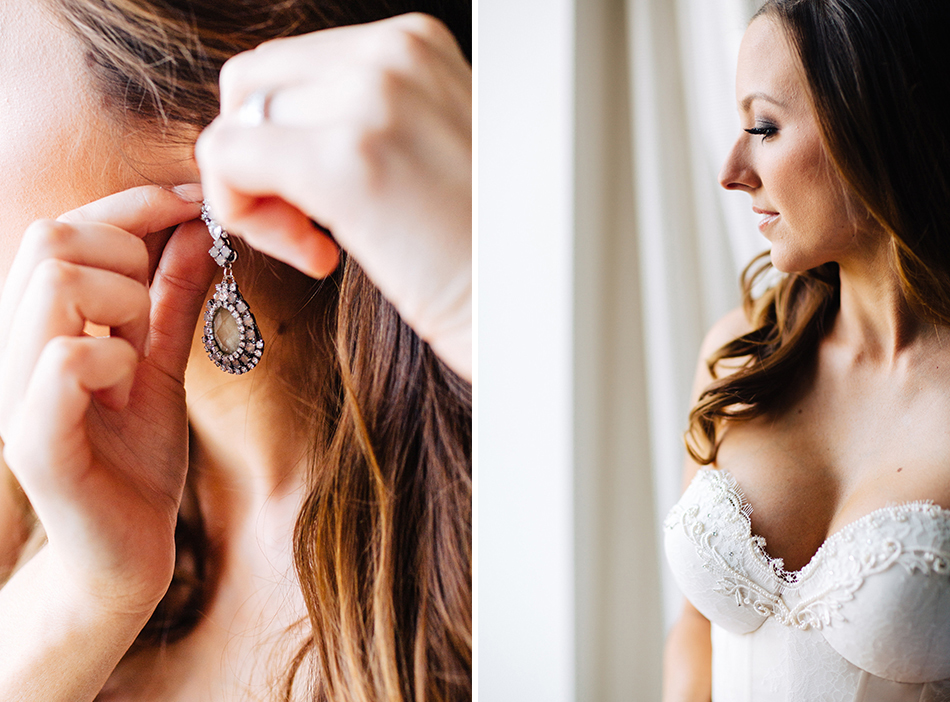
779 158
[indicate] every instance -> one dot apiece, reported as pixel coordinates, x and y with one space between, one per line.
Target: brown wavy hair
878 72
382 544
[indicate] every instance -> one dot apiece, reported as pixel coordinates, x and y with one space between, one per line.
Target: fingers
92 265
62 296
178 264
178 291
358 91
343 174
93 245
147 212
111 233
403 43
345 106
242 179
59 299
142 210
49 457
276 228
95 434
367 131
71 369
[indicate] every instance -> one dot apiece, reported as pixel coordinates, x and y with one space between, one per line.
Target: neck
875 319
254 431
250 434
249 460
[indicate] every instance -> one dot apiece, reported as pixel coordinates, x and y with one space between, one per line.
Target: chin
792 261
781 261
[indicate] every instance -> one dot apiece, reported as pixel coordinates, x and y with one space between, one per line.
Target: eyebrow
747 100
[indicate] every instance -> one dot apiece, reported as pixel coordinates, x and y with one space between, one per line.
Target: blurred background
606 248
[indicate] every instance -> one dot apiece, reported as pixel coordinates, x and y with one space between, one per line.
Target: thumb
178 291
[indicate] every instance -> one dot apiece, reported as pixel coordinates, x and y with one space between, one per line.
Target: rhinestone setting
230 355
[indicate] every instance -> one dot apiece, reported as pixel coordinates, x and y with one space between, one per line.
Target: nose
737 172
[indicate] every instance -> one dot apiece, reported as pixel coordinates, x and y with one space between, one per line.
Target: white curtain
659 248
694 237
606 249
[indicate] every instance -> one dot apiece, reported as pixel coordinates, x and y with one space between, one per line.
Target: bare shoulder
730 326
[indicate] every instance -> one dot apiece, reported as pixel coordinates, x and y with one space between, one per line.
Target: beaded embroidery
857 551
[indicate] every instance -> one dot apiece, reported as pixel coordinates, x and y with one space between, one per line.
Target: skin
46 134
107 503
804 206
867 424
402 117
95 429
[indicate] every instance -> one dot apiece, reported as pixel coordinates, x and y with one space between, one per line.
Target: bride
298 531
812 541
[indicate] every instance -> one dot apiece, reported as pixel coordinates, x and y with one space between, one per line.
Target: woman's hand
368 132
95 428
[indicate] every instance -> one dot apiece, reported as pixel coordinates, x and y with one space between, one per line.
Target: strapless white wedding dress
866 620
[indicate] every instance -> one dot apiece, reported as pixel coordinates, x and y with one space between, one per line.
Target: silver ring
254 110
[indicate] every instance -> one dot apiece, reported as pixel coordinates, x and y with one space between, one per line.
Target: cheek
830 206
809 188
36 163
50 166
40 173
55 149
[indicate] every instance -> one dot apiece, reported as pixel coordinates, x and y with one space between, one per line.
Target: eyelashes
765 131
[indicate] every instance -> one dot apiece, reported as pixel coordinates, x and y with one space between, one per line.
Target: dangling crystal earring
231 337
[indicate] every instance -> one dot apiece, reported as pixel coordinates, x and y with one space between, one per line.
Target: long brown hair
382 545
877 72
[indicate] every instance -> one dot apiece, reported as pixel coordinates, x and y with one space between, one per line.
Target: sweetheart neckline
744 510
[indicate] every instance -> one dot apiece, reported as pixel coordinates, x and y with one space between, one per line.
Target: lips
768 217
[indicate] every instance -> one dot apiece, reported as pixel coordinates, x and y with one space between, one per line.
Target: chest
872 600
840 448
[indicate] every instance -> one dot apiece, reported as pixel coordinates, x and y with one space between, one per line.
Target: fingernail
189 192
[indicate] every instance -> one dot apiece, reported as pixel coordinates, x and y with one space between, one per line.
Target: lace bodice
868 618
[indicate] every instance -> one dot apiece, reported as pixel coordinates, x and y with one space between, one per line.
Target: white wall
525 627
